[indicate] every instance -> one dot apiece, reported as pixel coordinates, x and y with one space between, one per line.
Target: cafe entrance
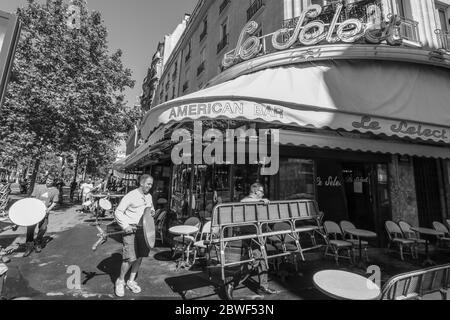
367 196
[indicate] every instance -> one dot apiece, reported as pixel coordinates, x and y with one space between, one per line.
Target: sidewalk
49 274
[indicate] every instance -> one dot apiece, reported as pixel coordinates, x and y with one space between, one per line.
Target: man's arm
119 214
54 201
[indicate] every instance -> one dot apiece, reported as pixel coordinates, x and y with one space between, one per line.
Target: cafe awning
380 97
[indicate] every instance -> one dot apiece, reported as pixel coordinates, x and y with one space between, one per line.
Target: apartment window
188 54
223 36
223 5
175 69
185 86
205 29
166 98
201 67
443 17
254 7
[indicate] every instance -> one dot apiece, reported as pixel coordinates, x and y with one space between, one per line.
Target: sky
135 26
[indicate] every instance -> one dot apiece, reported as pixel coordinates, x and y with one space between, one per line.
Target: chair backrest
405 227
282 226
206 231
393 229
345 225
440 227
332 228
193 221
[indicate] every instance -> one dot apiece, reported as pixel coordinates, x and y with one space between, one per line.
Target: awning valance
394 99
364 145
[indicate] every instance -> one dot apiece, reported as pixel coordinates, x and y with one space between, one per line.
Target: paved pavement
52 274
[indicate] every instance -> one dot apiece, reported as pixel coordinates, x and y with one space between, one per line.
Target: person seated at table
257 194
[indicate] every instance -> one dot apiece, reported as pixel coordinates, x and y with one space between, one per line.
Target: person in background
257 194
85 190
48 194
73 187
129 217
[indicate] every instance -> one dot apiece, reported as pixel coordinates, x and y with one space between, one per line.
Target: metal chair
345 225
159 225
442 228
201 243
397 238
332 229
284 243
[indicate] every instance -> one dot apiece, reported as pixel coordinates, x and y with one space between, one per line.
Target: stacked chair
398 239
336 242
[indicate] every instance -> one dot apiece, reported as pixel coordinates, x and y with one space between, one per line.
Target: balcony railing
222 44
201 68
254 7
444 38
203 35
223 5
359 10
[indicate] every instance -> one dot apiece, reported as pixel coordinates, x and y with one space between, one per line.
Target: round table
183 230
428 232
345 285
361 233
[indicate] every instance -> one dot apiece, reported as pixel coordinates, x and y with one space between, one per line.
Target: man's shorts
134 246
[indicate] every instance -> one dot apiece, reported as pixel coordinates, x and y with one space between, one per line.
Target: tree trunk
75 170
37 163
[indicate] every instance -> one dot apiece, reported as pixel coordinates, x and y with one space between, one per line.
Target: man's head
146 183
49 181
257 190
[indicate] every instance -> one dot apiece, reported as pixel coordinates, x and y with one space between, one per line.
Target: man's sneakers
133 286
120 288
38 248
268 290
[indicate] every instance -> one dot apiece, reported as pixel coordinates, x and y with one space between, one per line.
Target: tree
66 91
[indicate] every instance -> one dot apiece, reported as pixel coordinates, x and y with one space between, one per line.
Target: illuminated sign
373 31
9 34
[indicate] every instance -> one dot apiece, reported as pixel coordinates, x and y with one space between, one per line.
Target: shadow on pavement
190 282
110 266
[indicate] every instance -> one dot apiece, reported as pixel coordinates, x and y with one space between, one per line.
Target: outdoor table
360 233
345 285
183 230
428 232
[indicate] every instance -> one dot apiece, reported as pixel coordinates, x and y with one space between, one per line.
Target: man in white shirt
129 217
85 189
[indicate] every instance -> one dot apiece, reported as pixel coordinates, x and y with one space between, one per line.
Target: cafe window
211 187
181 179
296 179
244 176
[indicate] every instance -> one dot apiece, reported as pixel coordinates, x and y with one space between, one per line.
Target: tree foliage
66 93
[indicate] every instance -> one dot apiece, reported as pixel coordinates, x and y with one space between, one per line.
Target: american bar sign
374 31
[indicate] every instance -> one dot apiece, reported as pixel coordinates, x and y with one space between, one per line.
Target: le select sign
9 35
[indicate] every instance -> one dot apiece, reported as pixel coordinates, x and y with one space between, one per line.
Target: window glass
296 179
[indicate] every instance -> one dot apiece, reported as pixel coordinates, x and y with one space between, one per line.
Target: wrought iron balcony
223 5
360 10
201 68
254 7
222 44
444 39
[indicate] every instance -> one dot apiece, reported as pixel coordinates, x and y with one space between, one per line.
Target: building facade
359 91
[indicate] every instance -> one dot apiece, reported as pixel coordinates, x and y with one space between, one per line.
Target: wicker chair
411 235
397 238
188 240
445 239
159 225
345 225
333 232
